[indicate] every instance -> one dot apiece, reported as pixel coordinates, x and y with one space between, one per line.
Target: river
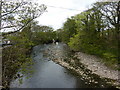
48 74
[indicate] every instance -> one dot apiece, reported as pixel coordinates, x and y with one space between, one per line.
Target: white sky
55 17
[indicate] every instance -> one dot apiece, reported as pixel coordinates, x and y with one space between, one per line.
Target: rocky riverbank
87 66
87 75
96 66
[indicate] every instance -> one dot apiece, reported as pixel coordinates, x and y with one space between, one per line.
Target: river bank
80 72
81 62
96 65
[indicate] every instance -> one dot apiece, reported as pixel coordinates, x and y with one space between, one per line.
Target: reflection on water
48 74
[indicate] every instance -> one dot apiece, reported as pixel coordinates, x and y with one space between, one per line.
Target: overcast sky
55 17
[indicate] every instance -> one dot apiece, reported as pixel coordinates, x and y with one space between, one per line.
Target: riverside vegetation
94 31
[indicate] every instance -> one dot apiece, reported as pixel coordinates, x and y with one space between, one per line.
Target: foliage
43 34
16 15
15 56
94 31
69 29
75 42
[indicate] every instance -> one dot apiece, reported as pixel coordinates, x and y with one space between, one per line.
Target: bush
111 57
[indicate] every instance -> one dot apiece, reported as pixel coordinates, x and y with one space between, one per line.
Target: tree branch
19 28
12 10
7 27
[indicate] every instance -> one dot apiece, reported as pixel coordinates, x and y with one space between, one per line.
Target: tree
97 28
59 35
16 16
69 29
111 14
43 34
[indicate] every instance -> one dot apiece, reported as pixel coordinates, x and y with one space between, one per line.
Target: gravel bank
93 63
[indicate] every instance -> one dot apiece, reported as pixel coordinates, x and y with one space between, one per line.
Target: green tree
96 29
43 34
69 29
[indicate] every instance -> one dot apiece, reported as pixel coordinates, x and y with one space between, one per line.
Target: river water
48 74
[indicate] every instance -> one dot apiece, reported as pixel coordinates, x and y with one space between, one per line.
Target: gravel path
93 63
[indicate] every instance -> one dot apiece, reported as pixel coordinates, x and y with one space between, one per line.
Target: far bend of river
48 74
